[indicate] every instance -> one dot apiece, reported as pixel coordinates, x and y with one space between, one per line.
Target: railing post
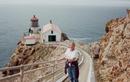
21 73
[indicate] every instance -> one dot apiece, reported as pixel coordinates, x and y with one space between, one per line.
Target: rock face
64 37
31 54
114 58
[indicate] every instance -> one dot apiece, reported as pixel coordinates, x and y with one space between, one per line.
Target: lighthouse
34 25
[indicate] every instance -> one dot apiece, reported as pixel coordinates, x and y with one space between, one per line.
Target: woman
72 57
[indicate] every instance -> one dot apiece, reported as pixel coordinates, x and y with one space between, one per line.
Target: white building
29 40
51 33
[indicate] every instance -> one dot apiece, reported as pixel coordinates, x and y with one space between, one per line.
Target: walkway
86 70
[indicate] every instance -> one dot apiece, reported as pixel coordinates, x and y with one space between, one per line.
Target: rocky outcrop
113 64
31 54
64 37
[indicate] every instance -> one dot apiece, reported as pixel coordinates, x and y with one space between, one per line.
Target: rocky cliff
31 54
113 64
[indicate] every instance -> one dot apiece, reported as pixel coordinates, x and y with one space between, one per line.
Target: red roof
34 18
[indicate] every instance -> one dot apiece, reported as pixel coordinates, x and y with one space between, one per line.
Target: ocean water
81 23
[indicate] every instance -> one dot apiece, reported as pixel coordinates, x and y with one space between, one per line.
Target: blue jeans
73 71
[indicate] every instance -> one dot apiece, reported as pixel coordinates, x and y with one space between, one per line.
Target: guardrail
20 75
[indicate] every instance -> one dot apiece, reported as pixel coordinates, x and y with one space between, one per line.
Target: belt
75 63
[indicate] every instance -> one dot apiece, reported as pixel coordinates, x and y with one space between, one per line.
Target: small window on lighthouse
52 32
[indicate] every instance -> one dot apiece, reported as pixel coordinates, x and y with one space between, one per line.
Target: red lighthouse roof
34 18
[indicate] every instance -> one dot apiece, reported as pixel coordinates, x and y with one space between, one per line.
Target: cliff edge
113 64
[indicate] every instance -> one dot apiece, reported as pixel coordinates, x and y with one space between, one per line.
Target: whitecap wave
81 39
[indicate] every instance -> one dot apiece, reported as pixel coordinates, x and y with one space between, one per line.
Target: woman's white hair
72 43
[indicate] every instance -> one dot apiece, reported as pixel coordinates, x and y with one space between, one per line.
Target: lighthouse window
51 32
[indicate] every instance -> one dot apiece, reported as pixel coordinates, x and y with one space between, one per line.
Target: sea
80 23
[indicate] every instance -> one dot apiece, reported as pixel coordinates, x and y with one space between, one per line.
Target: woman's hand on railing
61 59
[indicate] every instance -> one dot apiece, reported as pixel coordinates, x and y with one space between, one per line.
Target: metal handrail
48 75
22 72
26 65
